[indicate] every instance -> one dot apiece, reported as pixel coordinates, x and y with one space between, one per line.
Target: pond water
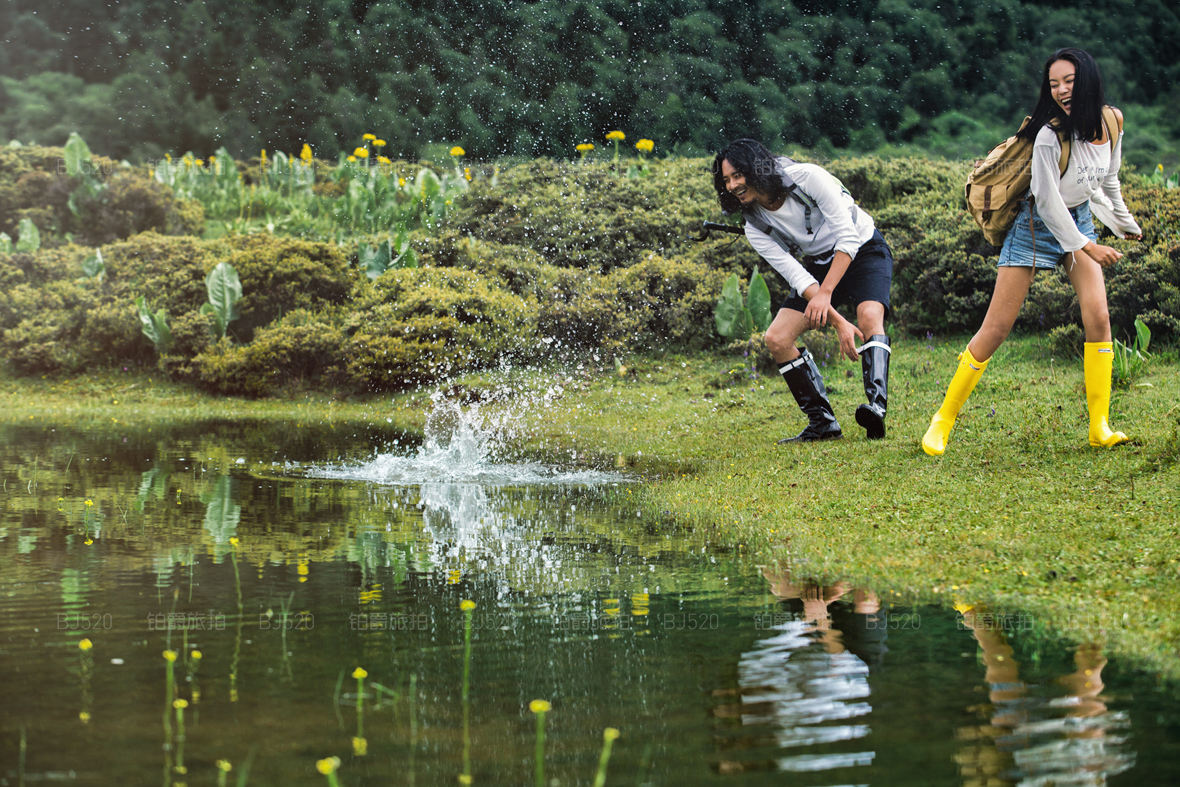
275 559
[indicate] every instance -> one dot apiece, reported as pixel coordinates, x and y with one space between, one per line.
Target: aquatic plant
609 736
468 608
360 746
328 767
539 709
154 325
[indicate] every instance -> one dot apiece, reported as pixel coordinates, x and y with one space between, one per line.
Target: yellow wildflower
384 160
361 152
360 746
458 151
85 644
401 183
585 147
378 143
180 704
540 706
359 673
88 503
616 136
645 146
467 173
466 605
305 154
199 162
369 137
84 717
610 734
169 655
196 655
352 159
327 765
224 766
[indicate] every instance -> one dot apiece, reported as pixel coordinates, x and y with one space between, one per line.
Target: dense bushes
34 185
553 260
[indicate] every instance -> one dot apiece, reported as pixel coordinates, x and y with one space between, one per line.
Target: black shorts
867 278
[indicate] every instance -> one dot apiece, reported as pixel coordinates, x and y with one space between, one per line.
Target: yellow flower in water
85 644
368 137
610 734
540 706
169 655
196 655
360 746
84 717
233 541
224 766
378 143
359 673
305 154
466 605
327 765
645 146
88 503
458 151
585 147
361 152
180 704
616 136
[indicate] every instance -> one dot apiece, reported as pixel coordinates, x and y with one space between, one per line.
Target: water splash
468 444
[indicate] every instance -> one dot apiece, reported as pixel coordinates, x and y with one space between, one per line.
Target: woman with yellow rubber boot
1054 225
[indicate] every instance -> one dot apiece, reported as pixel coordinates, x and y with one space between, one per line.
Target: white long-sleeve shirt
1092 173
833 228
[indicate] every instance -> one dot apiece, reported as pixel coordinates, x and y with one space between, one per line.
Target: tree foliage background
138 78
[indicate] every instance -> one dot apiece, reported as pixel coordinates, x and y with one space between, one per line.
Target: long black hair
1086 101
754 162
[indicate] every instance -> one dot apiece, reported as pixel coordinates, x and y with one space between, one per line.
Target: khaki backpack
998 184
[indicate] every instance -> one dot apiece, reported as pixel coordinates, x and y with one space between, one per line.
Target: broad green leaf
93 265
1142 335
758 302
225 290
77 156
727 312
376 259
154 326
29 238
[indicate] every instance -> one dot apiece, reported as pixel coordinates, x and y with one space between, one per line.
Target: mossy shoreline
1021 514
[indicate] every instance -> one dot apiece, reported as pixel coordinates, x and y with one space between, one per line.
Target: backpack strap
1110 119
781 238
800 196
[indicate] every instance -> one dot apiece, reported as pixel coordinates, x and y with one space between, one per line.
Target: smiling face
1061 79
735 184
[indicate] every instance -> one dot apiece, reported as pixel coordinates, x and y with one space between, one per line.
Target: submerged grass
1020 513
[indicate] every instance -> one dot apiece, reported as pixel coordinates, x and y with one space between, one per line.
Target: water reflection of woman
1029 737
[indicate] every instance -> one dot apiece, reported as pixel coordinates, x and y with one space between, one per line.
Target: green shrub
412 326
281 275
661 304
301 349
34 184
587 214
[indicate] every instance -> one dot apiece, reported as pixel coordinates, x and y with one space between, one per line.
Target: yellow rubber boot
962 384
1097 363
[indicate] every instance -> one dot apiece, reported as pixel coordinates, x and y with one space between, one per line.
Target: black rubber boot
874 365
807 386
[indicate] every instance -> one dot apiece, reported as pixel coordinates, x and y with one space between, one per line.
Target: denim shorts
1025 245
868 278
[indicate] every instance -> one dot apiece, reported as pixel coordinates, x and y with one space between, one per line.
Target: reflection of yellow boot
1097 363
962 384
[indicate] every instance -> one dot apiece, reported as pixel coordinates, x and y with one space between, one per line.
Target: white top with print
1092 172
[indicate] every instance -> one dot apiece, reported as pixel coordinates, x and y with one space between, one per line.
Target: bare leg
1088 282
784 331
1011 289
